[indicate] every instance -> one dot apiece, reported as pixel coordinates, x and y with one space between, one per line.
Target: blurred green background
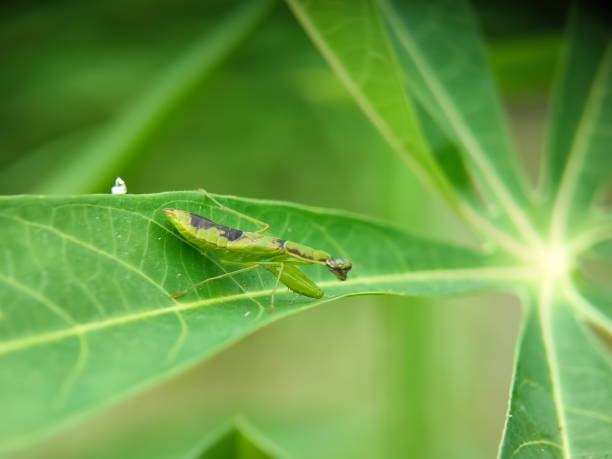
363 377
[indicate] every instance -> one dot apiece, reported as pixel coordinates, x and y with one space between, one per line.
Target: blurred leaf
447 153
593 249
524 66
562 392
446 69
239 441
25 173
367 66
122 141
579 146
83 272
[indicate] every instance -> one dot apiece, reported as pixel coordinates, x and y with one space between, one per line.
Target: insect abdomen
213 229
202 231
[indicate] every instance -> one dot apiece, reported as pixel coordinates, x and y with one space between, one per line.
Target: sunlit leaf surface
86 310
580 129
565 406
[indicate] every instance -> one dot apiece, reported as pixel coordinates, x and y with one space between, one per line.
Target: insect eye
339 267
340 263
345 264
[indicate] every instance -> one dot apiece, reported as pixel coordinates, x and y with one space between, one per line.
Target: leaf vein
492 273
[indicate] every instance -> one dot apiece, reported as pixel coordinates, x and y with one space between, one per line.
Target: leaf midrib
463 132
502 273
544 309
579 148
581 306
432 177
435 180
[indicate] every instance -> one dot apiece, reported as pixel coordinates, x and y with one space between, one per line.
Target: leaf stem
591 313
579 150
590 238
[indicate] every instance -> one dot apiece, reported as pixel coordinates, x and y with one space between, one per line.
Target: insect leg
280 273
221 276
265 228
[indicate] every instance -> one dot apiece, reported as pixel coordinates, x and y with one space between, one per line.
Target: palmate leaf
561 403
368 69
562 392
355 40
445 67
552 414
578 152
565 406
86 315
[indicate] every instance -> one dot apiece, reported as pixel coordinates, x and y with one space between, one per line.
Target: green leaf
123 140
353 38
240 441
593 303
532 427
446 69
366 64
447 154
579 144
87 316
562 392
524 66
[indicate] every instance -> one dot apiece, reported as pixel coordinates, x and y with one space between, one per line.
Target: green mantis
252 250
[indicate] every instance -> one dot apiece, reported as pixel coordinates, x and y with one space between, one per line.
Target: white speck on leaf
246 314
120 187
